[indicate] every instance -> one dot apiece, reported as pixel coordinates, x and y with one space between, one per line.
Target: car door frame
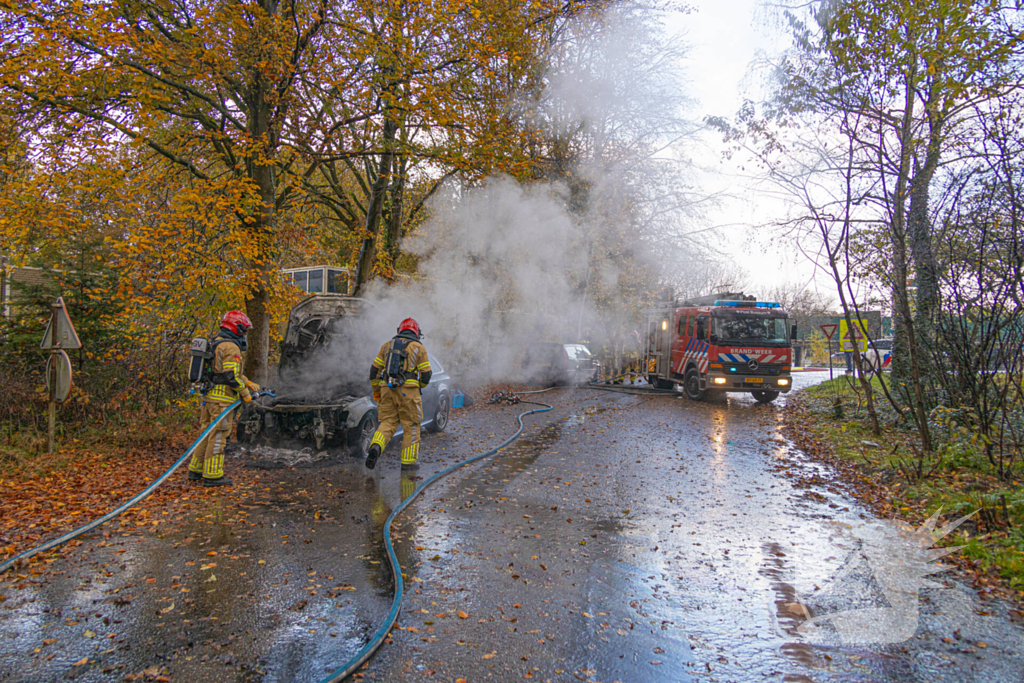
429 394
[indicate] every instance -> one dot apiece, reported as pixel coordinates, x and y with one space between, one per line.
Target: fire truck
724 346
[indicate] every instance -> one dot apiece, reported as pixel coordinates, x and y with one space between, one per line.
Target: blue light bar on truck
748 304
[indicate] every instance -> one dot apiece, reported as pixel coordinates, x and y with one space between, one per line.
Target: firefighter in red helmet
398 373
229 384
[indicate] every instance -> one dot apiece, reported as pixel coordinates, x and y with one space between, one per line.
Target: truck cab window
702 328
742 329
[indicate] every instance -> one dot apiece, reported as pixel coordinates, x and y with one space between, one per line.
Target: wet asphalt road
623 538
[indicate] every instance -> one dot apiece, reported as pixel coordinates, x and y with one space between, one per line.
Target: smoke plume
566 259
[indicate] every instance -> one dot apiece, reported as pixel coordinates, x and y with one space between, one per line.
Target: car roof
556 345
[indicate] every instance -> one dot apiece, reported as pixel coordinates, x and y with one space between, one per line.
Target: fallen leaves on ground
74 487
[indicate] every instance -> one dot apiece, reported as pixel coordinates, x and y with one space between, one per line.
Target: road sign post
829 331
60 334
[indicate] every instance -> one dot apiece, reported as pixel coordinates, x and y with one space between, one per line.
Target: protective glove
252 386
376 394
246 397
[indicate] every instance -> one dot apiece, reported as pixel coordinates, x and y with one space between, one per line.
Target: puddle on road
269 457
580 417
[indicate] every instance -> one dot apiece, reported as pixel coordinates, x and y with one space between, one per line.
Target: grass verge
890 474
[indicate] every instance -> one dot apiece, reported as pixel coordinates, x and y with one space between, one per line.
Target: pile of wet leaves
75 487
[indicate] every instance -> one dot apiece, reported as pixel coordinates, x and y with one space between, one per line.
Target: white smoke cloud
503 264
496 265
499 267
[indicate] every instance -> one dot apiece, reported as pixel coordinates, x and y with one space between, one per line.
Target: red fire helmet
237 322
409 324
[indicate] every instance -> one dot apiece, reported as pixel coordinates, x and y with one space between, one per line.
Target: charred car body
319 398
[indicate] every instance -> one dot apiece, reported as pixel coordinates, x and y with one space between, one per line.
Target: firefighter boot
410 457
195 476
219 481
371 457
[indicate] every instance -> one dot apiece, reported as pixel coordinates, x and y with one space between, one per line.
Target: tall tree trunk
257 356
396 197
257 303
905 340
920 233
368 250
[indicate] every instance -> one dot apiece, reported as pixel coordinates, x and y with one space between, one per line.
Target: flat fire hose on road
396 570
631 390
122 508
378 639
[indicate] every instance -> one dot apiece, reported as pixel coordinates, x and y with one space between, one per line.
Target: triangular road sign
829 330
66 337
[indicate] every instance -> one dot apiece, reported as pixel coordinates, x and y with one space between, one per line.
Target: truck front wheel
691 385
765 396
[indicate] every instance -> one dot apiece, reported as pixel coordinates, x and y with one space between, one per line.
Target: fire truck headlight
719 380
783 382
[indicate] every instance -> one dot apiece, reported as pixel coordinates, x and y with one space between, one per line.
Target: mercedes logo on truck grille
753 364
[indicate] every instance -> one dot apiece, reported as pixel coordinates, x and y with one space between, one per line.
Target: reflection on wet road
623 539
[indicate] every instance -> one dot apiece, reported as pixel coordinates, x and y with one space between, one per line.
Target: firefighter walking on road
400 370
226 385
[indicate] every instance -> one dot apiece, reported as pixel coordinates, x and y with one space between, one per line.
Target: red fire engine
737 346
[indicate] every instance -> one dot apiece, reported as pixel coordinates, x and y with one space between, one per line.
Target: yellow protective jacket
415 363
227 362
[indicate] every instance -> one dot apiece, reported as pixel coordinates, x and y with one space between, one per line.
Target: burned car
323 381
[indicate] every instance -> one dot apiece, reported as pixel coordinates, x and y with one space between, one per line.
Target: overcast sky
725 38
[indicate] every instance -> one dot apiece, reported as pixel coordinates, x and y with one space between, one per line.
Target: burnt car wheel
765 396
364 435
440 421
242 429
